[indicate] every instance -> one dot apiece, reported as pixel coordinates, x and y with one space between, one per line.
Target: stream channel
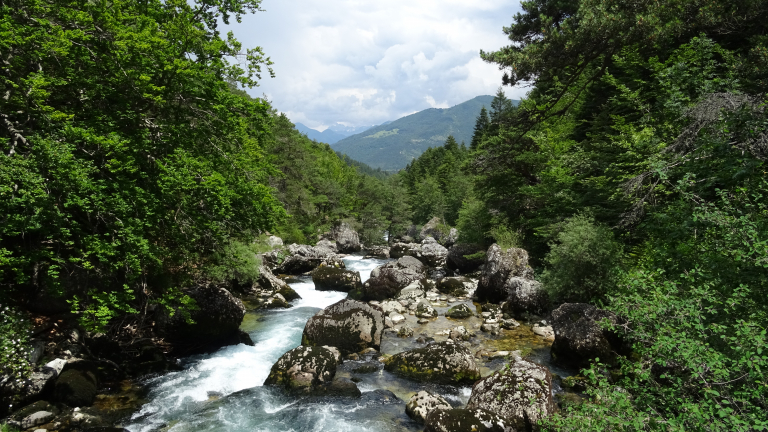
223 391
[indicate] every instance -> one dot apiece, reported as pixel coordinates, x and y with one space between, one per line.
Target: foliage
505 237
15 332
473 223
128 159
583 262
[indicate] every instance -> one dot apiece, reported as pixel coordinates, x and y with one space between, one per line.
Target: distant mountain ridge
392 145
333 134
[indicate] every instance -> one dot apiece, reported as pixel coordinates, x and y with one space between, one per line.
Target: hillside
391 146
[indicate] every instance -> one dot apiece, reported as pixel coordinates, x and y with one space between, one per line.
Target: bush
583 262
473 221
505 237
15 330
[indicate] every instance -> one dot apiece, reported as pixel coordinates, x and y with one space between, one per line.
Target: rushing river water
223 391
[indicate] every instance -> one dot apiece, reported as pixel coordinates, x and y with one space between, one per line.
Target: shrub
505 237
15 330
583 262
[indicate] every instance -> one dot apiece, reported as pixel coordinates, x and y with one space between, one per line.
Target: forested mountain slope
392 146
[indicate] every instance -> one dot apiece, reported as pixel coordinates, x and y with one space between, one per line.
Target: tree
481 126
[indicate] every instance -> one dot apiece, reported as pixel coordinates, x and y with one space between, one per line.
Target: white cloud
363 63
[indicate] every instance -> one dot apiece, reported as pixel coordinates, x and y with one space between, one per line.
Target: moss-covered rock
520 394
465 420
327 278
465 257
422 403
443 363
579 337
304 368
455 286
76 387
348 325
500 266
399 250
459 311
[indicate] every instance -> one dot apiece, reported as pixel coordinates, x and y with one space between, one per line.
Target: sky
362 63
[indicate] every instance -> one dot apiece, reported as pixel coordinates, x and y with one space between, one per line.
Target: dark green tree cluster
635 174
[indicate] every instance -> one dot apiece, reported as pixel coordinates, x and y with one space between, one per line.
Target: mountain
390 146
348 130
326 136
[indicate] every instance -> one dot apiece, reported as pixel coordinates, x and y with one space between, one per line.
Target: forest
134 164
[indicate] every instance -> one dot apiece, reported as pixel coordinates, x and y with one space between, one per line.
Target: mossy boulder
304 368
459 311
521 394
454 286
465 420
327 278
348 325
442 363
465 257
77 386
399 250
433 254
500 266
579 337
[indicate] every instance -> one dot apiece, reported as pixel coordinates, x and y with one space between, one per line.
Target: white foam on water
364 266
313 298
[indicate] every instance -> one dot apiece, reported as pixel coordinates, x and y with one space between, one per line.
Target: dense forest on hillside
635 175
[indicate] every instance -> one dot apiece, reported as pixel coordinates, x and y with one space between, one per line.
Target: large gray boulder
465 420
524 295
399 250
455 286
327 278
521 394
432 253
304 368
508 277
349 325
346 238
465 257
218 317
15 393
77 386
446 362
424 402
377 252
387 281
274 241
579 337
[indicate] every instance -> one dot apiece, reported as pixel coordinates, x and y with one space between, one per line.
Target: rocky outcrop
465 257
271 292
330 245
432 253
443 363
443 234
218 317
508 277
346 238
298 259
274 241
422 403
522 394
304 368
348 325
399 250
387 281
327 278
579 338
465 420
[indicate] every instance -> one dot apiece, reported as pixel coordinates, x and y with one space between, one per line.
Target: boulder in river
500 266
521 394
441 232
348 325
424 402
459 311
217 318
377 252
399 250
346 238
465 420
78 384
298 259
327 278
274 285
579 337
455 286
304 368
524 295
446 362
425 310
433 254
387 281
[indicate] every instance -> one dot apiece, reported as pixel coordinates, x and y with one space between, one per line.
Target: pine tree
481 126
